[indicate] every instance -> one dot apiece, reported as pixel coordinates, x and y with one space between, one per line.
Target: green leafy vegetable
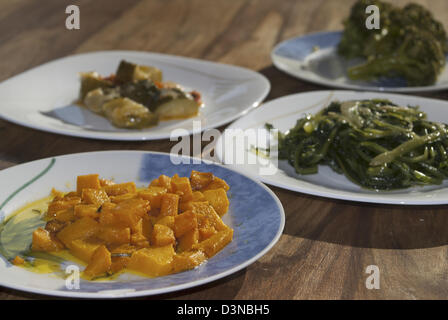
375 143
410 43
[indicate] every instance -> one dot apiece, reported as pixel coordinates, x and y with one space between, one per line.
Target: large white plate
42 98
255 214
314 58
283 114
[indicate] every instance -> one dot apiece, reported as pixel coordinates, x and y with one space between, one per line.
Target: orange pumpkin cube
216 184
90 181
182 187
184 222
169 205
215 243
114 235
99 263
153 262
44 241
218 200
162 235
59 205
200 180
94 196
83 249
123 197
86 210
188 260
121 188
80 229
162 181
154 195
167 221
188 240
205 211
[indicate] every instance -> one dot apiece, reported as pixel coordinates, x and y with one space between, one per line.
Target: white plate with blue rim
314 58
44 97
255 214
283 114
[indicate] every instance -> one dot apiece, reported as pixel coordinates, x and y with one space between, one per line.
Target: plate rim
152 292
329 193
143 136
333 84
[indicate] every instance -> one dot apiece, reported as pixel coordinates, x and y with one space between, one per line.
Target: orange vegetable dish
173 225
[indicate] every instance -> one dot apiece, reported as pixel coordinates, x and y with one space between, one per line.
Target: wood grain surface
327 244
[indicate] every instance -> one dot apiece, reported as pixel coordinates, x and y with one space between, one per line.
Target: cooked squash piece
162 235
120 188
106 182
59 205
188 240
215 243
216 184
54 226
188 260
114 235
140 233
205 211
218 200
123 197
119 263
65 215
166 221
83 249
184 222
18 261
162 181
86 210
128 213
44 241
94 196
206 232
80 229
99 263
152 261
169 205
90 181
182 187
199 180
154 195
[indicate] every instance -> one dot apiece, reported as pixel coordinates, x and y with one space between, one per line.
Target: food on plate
374 143
135 97
410 43
170 226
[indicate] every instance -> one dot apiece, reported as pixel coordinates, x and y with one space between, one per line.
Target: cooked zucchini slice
178 108
95 99
128 72
91 81
125 113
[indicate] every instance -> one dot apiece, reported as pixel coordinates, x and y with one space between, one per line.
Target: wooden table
327 244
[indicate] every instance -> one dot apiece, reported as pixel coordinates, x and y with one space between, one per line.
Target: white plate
42 98
283 114
255 214
298 57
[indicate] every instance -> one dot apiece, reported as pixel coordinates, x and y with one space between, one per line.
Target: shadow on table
351 223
